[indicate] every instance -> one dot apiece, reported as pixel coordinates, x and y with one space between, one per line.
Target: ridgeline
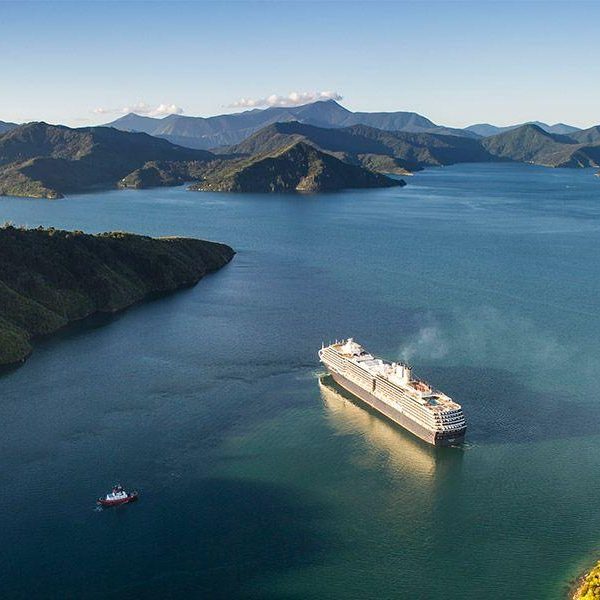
49 277
47 161
385 151
531 144
225 130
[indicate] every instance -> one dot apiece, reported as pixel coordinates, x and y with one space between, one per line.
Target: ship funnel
403 370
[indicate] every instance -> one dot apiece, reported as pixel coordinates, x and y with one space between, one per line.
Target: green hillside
296 167
532 144
49 277
587 136
399 151
376 149
47 161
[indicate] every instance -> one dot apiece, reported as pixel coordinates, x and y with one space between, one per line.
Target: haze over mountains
211 132
487 130
229 129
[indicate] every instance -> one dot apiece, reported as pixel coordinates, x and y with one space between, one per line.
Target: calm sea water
260 480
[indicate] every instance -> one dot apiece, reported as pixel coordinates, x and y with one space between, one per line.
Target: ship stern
450 438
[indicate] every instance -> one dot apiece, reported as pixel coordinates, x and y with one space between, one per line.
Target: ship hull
396 416
107 503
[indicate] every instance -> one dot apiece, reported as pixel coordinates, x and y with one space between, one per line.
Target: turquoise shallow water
261 480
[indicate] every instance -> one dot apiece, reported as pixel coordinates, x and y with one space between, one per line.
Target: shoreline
587 585
82 275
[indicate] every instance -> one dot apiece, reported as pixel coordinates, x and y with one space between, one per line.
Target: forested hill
530 143
384 151
49 277
297 167
47 161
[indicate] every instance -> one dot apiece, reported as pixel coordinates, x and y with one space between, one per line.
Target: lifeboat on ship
420 386
117 497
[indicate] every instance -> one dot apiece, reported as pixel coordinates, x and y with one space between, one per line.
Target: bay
258 477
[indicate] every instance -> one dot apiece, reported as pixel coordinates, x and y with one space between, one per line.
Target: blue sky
457 63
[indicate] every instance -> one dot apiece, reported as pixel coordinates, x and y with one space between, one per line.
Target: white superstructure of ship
391 389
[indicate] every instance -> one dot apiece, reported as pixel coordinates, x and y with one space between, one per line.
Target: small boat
118 496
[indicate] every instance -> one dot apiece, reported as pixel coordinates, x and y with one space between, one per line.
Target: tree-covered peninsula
49 277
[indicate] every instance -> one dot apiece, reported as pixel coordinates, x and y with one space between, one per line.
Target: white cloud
292 99
141 108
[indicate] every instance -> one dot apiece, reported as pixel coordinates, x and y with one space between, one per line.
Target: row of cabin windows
403 400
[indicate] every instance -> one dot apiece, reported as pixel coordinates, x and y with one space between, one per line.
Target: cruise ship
391 389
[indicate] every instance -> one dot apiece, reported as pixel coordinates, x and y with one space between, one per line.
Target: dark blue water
259 480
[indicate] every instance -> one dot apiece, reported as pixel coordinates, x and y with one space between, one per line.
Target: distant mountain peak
331 103
535 126
231 129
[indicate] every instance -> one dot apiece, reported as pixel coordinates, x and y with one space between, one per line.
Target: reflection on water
404 453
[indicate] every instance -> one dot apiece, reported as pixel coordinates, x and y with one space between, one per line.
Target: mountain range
231 129
41 160
388 151
531 144
224 130
47 161
487 130
384 151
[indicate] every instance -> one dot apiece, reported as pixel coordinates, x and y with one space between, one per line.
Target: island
298 167
50 277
